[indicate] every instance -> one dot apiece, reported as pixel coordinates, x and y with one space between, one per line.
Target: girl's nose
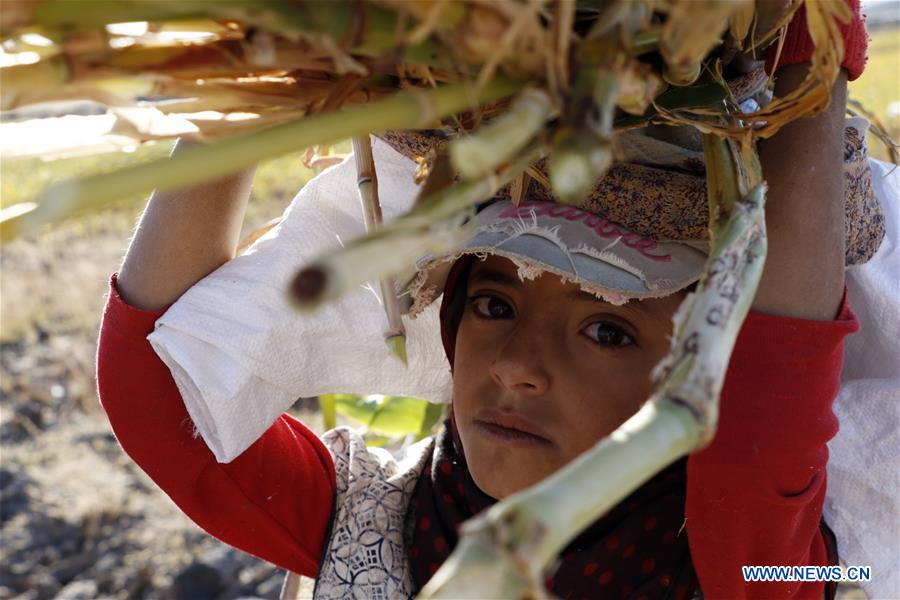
520 368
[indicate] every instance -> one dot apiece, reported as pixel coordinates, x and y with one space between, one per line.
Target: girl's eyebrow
490 275
635 306
487 274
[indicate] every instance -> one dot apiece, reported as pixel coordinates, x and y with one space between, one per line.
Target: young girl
543 367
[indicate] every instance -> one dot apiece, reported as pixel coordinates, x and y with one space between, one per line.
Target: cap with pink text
603 257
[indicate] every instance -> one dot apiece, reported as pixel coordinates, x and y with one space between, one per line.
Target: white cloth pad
241 355
862 505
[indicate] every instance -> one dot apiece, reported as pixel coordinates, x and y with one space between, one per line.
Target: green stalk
707 328
693 28
677 98
367 28
447 202
23 79
367 182
503 138
430 226
575 166
658 434
585 155
328 407
396 343
506 549
534 525
405 110
85 14
682 76
721 187
344 269
444 203
645 41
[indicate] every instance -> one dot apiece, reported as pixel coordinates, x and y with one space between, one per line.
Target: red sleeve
273 501
755 494
798 45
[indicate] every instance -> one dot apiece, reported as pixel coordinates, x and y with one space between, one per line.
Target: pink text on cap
599 225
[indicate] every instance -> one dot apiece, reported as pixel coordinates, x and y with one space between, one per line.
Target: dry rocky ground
77 518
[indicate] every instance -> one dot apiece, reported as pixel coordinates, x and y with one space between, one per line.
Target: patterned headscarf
637 549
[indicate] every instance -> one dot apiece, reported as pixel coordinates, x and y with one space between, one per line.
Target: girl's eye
490 307
608 334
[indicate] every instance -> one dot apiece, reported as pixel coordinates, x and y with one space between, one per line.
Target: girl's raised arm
275 499
182 237
803 166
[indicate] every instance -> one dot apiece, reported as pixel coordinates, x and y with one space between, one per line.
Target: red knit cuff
798 46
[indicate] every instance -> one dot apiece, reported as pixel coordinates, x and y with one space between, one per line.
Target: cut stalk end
499 141
11 220
397 345
574 171
309 286
682 76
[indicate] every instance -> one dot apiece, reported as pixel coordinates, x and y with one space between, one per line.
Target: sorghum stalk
503 138
506 548
447 202
575 167
367 182
370 29
585 154
430 226
694 27
405 110
375 256
19 80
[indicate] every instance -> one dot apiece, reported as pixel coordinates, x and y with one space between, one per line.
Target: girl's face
543 371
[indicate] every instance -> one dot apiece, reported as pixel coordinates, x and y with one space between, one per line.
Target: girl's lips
509 428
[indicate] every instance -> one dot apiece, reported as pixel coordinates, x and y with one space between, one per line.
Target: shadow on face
543 371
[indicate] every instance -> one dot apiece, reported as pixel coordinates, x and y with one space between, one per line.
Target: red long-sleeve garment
273 501
754 495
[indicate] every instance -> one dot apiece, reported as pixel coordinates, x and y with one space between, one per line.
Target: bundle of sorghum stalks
519 96
494 85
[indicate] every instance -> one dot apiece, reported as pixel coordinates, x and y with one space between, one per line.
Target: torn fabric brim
603 257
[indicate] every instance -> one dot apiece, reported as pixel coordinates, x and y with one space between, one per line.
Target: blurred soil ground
78 519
